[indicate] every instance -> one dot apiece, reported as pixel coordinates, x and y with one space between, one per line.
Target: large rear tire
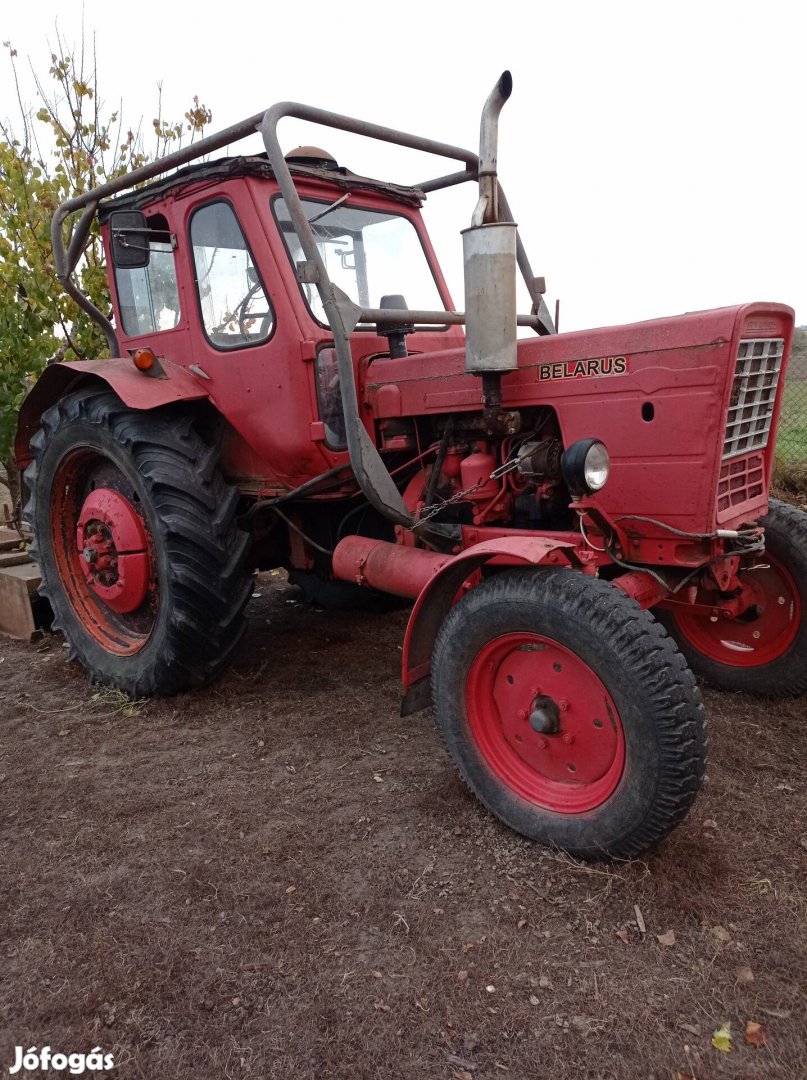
137 542
765 650
569 712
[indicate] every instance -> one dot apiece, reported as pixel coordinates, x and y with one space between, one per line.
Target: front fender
436 599
136 390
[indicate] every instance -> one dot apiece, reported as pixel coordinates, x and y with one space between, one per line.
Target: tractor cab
210 275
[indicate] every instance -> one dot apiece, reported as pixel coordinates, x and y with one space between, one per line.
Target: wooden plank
18 584
13 558
10 540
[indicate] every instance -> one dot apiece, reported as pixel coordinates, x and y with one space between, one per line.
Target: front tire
764 652
136 539
569 712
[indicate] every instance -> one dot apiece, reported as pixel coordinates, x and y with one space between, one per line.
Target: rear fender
437 598
136 390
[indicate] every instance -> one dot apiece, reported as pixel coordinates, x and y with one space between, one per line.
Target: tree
71 143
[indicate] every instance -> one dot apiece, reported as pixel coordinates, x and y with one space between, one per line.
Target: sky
652 153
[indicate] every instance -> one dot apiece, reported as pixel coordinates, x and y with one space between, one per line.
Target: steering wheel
244 316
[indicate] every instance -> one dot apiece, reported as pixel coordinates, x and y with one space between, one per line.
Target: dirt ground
279 877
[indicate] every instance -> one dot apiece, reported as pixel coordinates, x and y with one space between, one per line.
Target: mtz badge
584 369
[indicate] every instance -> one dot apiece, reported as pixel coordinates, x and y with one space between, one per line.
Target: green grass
790 469
791 442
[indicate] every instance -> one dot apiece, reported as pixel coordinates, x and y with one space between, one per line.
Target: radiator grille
740 481
753 396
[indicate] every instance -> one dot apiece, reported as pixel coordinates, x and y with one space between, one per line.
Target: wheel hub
545 722
764 631
111 541
545 716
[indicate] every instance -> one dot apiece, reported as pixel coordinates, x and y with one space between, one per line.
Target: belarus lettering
584 369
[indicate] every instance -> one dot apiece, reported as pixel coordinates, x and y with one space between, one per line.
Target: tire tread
196 511
644 647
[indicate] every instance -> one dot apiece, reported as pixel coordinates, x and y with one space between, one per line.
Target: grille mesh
741 481
753 396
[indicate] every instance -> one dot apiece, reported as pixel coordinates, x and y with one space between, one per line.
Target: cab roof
254 165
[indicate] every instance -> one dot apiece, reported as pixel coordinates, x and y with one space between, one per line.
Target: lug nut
568 738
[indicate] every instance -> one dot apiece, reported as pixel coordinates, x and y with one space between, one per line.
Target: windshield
367 253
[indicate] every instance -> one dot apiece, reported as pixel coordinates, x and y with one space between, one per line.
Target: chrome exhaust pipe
487 209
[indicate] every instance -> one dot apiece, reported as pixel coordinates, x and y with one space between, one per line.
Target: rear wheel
137 543
765 650
569 712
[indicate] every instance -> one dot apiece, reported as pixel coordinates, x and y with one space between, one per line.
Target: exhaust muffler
489 251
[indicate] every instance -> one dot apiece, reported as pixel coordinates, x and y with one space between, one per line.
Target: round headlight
596 467
585 466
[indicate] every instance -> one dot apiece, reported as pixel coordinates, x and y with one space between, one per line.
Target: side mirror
130 239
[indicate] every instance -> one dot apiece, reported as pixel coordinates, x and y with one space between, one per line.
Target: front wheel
569 712
137 542
764 651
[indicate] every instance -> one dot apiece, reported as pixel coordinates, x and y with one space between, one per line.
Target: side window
148 296
233 303
329 398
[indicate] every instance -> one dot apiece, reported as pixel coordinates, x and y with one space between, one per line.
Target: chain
428 512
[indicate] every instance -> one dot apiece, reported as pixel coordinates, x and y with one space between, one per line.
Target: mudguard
434 602
135 389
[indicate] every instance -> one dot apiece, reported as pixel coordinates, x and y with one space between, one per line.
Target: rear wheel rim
104 551
756 640
522 681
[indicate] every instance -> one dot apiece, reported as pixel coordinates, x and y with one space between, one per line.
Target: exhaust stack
489 250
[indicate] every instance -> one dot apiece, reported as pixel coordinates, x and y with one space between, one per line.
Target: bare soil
279 877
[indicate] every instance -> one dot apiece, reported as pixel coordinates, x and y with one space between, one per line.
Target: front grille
753 396
740 482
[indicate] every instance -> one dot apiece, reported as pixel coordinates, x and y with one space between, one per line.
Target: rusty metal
487 210
430 318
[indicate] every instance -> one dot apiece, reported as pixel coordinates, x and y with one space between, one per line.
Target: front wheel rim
760 639
545 723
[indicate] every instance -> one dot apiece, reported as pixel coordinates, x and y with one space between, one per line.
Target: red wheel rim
764 634
103 552
514 683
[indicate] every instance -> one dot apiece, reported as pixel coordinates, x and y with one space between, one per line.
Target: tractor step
19 580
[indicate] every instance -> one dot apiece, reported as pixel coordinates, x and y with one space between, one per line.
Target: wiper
328 209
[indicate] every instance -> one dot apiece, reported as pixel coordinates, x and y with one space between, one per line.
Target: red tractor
582 519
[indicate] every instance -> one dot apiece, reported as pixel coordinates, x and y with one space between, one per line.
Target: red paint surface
403 571
749 641
571 771
112 533
107 617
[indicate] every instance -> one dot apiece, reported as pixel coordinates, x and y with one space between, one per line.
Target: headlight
585 466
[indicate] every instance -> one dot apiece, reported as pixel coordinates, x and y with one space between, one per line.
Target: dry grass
790 479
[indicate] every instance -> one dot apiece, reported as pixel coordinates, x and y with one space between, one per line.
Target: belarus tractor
581 519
